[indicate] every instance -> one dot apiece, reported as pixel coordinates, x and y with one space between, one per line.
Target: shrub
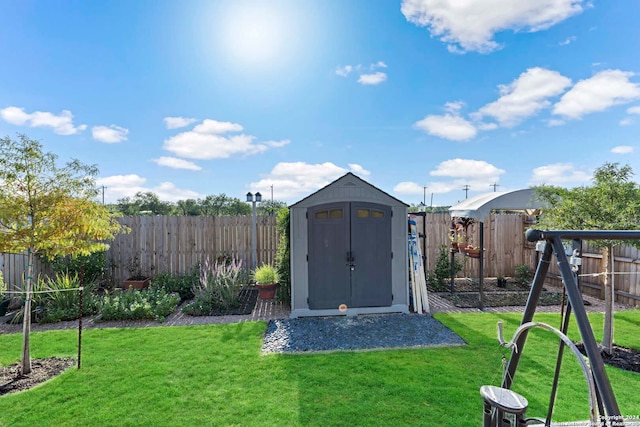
283 256
439 277
182 284
218 288
89 268
134 304
523 274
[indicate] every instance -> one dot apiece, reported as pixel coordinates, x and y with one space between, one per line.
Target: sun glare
253 33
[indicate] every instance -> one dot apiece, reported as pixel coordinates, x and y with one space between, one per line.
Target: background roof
480 206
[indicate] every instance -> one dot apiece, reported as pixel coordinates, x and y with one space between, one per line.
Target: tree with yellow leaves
48 210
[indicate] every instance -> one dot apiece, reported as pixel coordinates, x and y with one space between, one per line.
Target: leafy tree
144 203
47 210
270 207
188 207
611 203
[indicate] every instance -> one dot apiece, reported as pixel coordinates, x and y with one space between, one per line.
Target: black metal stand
554 245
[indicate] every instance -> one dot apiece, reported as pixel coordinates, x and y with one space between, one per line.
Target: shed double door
349 255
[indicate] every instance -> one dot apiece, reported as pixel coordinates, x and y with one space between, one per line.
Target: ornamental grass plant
218 287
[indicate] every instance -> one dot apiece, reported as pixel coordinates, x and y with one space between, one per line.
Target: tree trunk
609 289
26 320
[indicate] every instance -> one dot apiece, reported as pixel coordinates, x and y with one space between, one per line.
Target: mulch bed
621 357
12 381
248 298
513 294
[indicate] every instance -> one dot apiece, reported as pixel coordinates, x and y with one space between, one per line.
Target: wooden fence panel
175 244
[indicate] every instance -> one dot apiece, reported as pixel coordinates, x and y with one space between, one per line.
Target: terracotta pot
454 246
472 253
267 291
137 284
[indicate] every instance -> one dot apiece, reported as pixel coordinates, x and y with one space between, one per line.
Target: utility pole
466 190
424 195
103 187
494 185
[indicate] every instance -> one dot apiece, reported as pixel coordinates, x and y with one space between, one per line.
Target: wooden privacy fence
171 244
175 244
506 248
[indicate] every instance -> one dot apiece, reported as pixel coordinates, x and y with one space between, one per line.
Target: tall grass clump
57 299
218 288
283 257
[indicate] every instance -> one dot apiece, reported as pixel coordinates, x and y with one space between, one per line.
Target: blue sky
191 98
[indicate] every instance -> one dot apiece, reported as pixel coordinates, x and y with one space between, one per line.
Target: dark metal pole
591 347
80 328
529 311
453 269
481 272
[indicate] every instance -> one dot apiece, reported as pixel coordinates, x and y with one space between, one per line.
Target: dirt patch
621 357
12 380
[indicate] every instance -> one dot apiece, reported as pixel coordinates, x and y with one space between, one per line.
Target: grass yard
215 375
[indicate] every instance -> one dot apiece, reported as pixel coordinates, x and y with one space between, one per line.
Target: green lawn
215 375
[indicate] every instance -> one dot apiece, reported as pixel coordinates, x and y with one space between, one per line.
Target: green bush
283 257
218 288
440 276
89 268
182 284
134 304
523 274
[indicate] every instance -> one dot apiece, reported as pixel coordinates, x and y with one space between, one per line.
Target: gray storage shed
349 251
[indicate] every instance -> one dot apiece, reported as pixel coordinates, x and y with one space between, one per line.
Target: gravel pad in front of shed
366 332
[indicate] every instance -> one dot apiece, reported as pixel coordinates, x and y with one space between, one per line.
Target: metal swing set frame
501 400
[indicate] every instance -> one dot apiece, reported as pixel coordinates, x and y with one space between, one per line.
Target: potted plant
502 282
138 279
266 277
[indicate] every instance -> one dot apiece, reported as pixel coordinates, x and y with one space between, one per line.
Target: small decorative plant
134 267
266 274
266 277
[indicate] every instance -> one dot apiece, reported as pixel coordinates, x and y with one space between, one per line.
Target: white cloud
526 96
408 188
205 141
119 186
294 180
109 134
344 71
448 126
567 41
626 121
559 174
472 24
178 122
216 127
372 79
603 90
634 110
622 149
61 124
555 122
175 163
358 170
467 168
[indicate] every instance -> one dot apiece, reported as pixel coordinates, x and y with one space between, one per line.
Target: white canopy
480 206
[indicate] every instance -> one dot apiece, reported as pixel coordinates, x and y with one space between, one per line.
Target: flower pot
454 246
502 282
268 291
472 253
138 284
4 306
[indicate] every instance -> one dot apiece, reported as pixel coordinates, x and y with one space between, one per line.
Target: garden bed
247 301
499 299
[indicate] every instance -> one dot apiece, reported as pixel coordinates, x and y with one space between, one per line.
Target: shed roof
480 206
348 179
